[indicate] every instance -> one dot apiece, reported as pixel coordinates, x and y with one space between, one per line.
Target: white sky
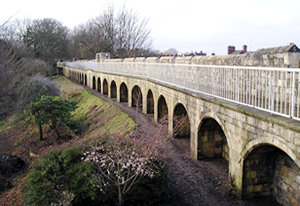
187 25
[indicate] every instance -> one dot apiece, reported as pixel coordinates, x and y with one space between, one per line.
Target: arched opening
150 102
99 84
162 108
137 98
270 172
211 140
81 78
113 89
181 127
105 87
123 93
94 82
85 80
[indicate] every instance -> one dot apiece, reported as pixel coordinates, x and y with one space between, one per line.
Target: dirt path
191 182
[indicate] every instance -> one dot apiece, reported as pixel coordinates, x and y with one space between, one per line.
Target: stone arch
123 93
212 138
162 108
113 89
94 82
81 78
85 80
137 97
99 84
105 87
181 126
269 171
150 102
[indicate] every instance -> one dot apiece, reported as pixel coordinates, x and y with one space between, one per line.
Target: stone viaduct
262 147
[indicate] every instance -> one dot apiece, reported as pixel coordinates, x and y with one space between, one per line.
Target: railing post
293 96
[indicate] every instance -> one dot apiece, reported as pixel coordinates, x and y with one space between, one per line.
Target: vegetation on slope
20 137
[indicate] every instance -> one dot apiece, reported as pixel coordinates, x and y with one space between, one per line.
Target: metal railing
276 90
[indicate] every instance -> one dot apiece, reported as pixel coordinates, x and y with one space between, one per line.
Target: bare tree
122 34
48 39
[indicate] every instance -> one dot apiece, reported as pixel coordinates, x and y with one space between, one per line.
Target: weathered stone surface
245 129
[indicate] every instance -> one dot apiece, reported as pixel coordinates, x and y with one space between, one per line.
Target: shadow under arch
212 141
123 93
98 84
113 89
94 82
105 87
181 127
150 102
162 108
137 97
268 171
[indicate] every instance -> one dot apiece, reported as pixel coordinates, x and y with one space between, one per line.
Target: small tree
52 111
121 162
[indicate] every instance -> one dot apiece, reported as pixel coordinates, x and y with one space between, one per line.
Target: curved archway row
267 170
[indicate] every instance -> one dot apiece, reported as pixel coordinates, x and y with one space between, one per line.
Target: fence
276 90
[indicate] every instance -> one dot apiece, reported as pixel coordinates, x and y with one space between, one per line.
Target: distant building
231 50
283 56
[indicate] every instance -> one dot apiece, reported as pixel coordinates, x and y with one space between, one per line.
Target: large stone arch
150 102
162 108
98 84
137 97
275 141
113 89
181 126
270 171
123 92
105 87
213 139
85 80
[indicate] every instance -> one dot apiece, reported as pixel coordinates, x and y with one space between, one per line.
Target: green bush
150 191
75 126
60 177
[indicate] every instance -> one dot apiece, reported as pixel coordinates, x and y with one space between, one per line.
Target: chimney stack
244 48
230 49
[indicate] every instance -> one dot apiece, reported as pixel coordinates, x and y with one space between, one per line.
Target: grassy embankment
97 117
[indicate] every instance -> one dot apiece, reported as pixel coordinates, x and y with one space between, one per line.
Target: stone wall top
167 60
183 60
152 60
129 60
286 56
114 60
140 59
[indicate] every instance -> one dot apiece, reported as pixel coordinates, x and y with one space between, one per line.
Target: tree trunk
57 133
41 131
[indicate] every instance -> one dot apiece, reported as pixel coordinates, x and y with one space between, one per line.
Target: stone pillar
193 140
109 89
118 92
129 97
170 120
144 102
155 110
235 165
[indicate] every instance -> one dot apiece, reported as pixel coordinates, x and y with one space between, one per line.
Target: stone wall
246 130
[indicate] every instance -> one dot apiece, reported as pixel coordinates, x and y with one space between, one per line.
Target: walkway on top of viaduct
246 115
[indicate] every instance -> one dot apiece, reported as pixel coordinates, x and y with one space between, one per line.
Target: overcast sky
187 25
